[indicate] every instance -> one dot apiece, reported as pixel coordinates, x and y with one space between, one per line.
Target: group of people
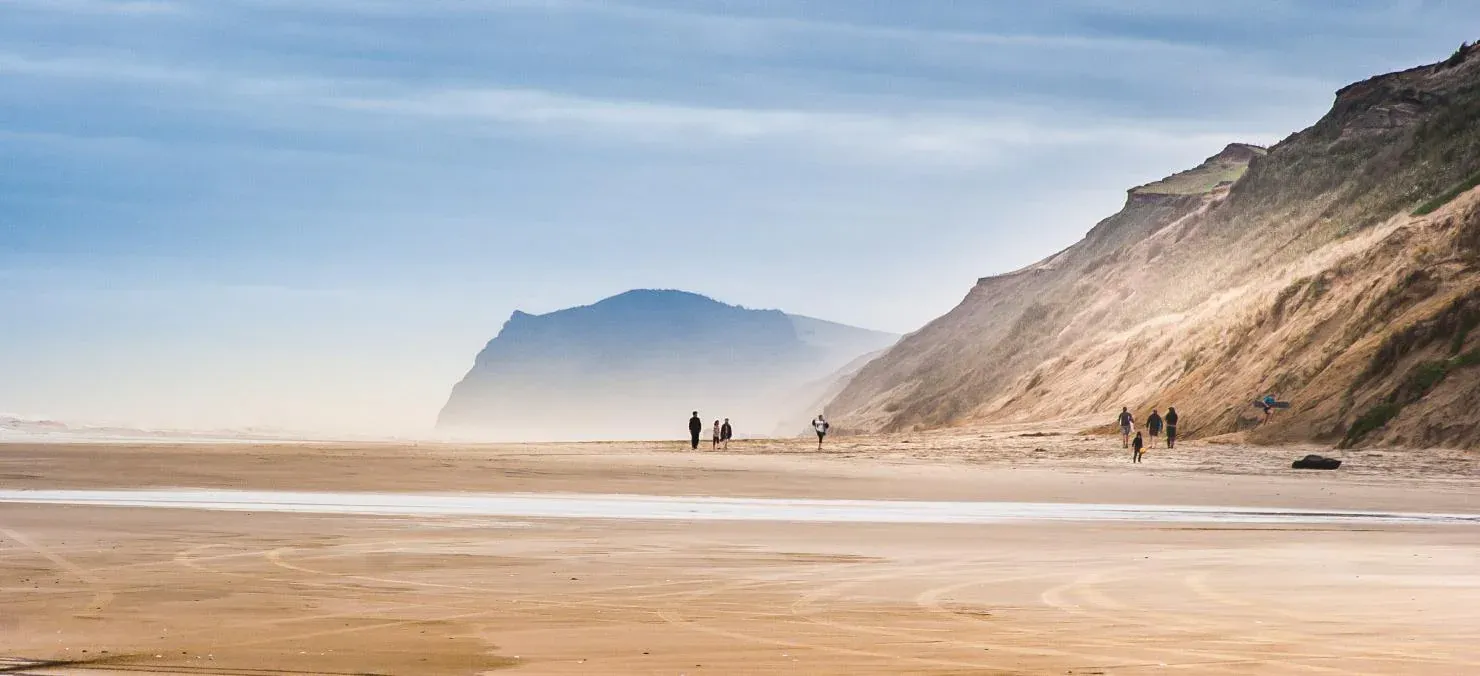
722 432
1154 425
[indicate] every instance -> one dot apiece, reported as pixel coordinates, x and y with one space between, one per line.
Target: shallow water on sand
595 506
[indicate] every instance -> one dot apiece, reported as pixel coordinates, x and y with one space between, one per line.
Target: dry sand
140 590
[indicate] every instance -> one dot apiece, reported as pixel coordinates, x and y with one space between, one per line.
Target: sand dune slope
1339 270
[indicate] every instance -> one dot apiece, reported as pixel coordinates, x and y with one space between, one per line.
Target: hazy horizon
311 215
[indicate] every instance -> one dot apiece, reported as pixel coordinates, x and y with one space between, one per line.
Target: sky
311 214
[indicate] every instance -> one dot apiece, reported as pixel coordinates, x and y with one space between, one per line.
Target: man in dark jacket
1153 425
1171 427
696 427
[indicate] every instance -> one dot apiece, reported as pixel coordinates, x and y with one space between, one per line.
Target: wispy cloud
96 68
837 134
124 7
856 135
859 31
735 24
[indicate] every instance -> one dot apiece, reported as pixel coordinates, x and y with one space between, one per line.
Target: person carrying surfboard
1268 404
1127 422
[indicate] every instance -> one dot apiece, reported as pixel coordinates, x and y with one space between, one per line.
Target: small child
1137 444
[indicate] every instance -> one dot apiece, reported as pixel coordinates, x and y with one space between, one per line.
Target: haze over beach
313 219
648 337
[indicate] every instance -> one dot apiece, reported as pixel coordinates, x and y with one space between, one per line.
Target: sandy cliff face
1306 271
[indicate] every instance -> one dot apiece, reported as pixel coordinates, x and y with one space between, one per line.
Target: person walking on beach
1127 422
725 432
1171 427
1136 444
696 426
716 435
1153 425
820 425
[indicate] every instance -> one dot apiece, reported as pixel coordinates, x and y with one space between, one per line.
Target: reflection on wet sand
587 506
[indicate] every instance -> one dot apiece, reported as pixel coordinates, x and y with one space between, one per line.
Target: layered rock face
1339 269
635 365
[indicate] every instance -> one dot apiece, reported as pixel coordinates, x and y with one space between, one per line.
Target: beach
999 550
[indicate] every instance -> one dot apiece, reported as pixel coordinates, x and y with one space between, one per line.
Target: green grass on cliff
1420 381
1195 181
1447 196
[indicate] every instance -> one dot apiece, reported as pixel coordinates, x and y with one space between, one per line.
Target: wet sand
254 592
696 508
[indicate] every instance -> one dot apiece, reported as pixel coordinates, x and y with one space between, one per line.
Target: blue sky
312 213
